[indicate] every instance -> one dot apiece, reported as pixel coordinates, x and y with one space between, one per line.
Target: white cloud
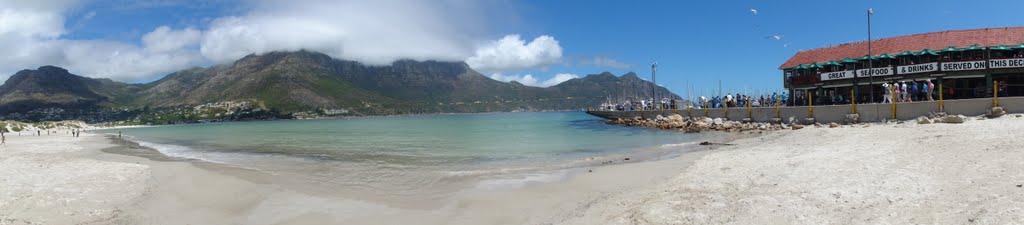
163 39
31 31
530 80
513 53
372 32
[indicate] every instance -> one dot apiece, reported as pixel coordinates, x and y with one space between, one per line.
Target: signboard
958 66
918 68
1005 63
875 72
837 75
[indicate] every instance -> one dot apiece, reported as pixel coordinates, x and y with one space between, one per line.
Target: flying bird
776 37
754 11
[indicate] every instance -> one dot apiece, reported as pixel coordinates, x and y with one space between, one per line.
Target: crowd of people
643 104
909 91
741 100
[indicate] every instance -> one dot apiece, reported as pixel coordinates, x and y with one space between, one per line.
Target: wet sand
109 180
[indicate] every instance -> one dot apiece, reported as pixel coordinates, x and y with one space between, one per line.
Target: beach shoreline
873 174
178 191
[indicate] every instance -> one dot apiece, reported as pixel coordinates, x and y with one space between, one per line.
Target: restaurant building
964 62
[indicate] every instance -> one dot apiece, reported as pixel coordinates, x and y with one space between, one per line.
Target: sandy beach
864 174
859 174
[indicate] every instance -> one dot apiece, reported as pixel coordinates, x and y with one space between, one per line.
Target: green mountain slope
309 81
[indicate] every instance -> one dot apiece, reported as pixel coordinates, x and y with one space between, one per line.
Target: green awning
951 49
800 67
1021 45
1000 48
833 63
866 57
815 65
974 47
849 60
927 52
885 56
906 53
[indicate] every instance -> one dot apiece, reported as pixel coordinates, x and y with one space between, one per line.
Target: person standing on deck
926 94
914 92
904 95
886 98
931 90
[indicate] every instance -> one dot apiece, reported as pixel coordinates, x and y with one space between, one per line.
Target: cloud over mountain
34 33
513 53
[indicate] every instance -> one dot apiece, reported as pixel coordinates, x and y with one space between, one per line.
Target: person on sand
39 133
3 139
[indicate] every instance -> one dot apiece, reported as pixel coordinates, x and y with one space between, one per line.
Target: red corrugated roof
915 42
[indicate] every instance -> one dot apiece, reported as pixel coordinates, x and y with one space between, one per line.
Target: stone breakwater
702 124
697 124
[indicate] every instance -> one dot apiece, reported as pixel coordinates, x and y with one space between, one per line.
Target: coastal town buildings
964 62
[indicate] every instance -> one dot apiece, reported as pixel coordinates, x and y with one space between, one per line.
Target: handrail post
726 107
893 102
941 107
995 93
705 108
853 102
810 104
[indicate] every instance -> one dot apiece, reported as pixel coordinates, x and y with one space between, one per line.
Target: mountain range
303 81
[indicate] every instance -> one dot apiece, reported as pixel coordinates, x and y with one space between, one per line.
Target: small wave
177 151
684 144
522 180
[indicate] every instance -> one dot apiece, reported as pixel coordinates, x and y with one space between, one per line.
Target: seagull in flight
776 37
754 11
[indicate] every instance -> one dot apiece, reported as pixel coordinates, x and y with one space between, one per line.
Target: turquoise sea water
416 154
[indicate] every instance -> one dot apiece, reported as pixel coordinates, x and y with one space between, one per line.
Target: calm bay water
416 155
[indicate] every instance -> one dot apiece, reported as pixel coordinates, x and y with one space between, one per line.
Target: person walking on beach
3 138
39 133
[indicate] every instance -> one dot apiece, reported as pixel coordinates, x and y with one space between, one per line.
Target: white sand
48 180
882 174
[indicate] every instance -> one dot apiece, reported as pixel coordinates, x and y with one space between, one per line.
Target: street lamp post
654 85
871 74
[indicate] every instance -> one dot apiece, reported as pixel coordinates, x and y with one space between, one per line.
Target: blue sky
695 43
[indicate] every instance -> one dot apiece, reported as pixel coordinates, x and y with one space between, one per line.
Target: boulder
660 118
833 125
798 126
707 121
852 118
717 121
792 120
817 124
953 119
996 112
923 120
675 118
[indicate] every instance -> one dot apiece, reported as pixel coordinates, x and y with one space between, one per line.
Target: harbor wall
835 113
